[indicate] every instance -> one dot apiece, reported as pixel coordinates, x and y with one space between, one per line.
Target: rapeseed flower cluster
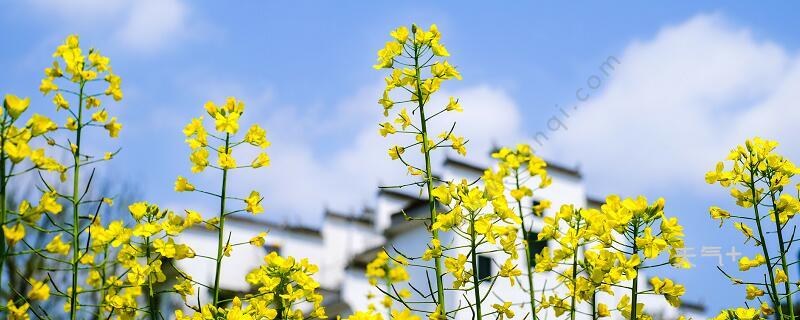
593 252
17 140
605 249
516 168
385 273
759 180
482 219
284 284
120 269
415 59
597 249
20 156
77 80
112 269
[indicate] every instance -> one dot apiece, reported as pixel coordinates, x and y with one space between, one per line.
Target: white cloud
677 103
152 24
141 26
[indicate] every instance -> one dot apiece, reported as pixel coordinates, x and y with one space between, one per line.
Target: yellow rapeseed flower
15 106
14 234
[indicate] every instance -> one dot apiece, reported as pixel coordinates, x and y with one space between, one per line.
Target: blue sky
694 79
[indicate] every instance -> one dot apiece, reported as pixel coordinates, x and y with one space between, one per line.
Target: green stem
575 273
775 300
784 265
221 234
151 297
429 181
282 313
474 257
75 209
2 202
635 285
388 287
103 291
528 250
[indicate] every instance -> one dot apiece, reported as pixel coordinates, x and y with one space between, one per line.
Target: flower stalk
476 281
417 49
76 200
635 283
442 308
528 249
3 186
782 251
221 229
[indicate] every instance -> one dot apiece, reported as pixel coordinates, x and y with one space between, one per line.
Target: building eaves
552 166
291 228
363 219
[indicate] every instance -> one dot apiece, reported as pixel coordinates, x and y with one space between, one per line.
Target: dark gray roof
394 192
594 202
694 306
361 260
551 166
294 228
364 218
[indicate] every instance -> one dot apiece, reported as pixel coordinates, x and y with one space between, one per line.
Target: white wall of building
344 239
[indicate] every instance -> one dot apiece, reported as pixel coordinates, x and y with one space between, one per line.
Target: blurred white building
346 242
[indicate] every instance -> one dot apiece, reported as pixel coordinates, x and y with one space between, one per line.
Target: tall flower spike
758 178
297 287
515 167
78 71
416 73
